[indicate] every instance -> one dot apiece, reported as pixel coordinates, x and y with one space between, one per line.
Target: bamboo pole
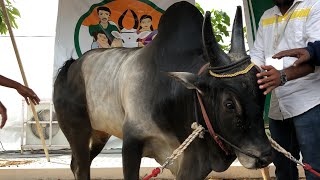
6 19
265 173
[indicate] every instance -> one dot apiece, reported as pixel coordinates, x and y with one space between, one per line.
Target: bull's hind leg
77 129
131 153
80 162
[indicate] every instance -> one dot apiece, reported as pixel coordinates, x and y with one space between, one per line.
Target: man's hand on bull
271 79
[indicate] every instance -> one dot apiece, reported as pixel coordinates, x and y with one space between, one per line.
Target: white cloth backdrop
69 12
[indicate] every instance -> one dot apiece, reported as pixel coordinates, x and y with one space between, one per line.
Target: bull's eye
229 105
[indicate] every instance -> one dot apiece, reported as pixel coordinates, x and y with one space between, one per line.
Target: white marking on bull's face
130 36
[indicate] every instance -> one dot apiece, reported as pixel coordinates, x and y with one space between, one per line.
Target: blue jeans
298 133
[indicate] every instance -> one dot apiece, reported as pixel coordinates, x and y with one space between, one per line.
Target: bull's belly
107 120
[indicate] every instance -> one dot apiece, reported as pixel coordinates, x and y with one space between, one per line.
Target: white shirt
299 95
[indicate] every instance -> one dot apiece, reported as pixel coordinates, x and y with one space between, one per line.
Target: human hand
3 112
271 79
301 53
28 94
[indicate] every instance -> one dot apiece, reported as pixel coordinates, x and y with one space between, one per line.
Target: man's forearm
295 72
8 82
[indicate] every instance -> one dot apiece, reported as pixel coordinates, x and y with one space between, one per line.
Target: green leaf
16 12
199 8
13 13
220 22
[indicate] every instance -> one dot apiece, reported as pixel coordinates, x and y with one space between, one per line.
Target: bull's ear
187 79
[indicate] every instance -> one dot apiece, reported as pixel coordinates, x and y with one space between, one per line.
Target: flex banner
89 24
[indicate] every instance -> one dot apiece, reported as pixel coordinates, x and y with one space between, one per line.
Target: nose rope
280 149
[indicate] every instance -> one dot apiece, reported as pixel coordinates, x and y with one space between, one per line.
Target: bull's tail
62 75
63 71
61 78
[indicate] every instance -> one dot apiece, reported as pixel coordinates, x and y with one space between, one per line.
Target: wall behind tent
35 41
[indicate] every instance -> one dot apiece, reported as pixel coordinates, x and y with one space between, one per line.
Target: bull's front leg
131 153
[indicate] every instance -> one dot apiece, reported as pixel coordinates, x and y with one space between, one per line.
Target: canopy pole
265 173
7 22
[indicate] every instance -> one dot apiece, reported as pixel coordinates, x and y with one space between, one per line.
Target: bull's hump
181 26
179 38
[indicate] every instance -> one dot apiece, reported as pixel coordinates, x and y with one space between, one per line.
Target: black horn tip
237 50
207 15
239 12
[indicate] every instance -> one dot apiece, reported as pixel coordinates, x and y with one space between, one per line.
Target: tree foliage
220 21
13 14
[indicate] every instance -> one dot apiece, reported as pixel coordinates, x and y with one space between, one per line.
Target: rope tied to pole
198 131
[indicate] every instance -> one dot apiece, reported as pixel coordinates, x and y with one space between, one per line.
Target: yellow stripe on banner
296 14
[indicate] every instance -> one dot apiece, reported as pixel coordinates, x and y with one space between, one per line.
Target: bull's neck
212 152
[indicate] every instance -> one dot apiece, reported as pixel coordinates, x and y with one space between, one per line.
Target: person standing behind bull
104 25
24 91
294 108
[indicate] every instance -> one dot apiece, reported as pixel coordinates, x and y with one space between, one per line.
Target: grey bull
146 96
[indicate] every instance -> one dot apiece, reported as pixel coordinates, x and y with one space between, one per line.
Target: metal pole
6 19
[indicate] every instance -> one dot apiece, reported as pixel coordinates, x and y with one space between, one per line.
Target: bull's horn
121 19
212 51
136 20
237 38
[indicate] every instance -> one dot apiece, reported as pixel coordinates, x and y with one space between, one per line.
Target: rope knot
195 126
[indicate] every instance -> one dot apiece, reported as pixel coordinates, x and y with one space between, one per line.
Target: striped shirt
277 32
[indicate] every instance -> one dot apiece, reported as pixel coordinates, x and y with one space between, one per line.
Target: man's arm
24 91
310 54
